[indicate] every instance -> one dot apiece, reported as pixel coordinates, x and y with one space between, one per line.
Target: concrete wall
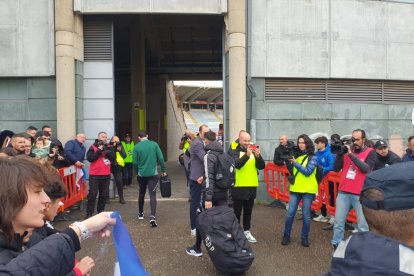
175 124
151 6
27 101
272 119
333 39
27 38
98 100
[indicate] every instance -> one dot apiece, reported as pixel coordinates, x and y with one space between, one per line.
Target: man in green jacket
146 157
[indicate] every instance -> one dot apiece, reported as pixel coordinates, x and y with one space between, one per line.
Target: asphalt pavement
162 249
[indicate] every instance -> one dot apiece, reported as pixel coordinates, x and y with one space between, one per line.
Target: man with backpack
219 176
218 227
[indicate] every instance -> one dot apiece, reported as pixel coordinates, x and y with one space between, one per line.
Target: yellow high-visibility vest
247 175
304 184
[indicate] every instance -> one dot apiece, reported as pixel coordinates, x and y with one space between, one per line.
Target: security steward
127 171
387 200
247 161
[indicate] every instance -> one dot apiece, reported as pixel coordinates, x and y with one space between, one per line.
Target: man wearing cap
387 200
128 146
355 164
384 157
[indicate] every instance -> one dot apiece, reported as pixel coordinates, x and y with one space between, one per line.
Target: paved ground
162 249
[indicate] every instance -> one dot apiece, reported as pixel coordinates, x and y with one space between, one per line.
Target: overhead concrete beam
188 94
196 95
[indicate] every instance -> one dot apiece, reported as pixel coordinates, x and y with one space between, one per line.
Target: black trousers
324 211
97 183
118 182
247 207
150 182
127 174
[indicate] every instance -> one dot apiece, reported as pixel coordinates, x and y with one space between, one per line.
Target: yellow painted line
193 119
218 117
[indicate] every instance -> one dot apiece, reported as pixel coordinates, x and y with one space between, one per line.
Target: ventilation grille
97 41
291 90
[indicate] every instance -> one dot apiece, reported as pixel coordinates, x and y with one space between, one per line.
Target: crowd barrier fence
76 188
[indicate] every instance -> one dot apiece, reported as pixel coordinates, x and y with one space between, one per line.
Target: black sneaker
305 242
194 251
349 227
285 240
153 221
141 216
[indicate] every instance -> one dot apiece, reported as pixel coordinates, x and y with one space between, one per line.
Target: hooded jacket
58 164
326 159
210 159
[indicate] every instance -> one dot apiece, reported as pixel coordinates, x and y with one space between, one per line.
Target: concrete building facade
288 66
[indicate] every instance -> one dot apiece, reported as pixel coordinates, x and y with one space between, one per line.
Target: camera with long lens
288 151
338 146
185 137
101 143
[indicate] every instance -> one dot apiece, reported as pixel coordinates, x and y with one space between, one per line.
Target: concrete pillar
65 70
236 44
137 78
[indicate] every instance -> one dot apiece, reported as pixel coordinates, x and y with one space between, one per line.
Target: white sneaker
193 232
321 218
331 220
250 237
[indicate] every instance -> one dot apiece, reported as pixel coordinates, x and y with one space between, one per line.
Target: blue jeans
195 193
306 211
344 203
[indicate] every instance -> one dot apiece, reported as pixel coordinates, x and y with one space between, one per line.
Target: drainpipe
249 69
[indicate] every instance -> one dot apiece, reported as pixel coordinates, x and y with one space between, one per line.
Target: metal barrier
278 188
76 189
334 178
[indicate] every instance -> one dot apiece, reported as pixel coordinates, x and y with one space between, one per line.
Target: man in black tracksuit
213 196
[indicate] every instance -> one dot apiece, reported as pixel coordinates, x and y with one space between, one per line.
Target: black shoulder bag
291 178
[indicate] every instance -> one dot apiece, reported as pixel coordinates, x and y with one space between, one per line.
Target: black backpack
224 239
225 170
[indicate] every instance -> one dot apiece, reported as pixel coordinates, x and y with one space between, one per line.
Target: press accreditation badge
107 162
351 173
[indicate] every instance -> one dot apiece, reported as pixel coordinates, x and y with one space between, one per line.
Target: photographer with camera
248 161
184 145
355 161
117 166
101 158
303 186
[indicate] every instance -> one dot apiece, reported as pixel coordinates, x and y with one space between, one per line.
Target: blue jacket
326 159
74 151
408 156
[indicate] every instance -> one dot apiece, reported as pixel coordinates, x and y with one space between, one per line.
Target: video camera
185 137
101 143
338 146
289 151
